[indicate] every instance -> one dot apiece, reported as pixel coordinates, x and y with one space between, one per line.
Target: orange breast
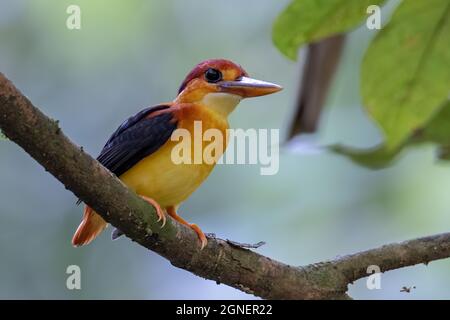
161 177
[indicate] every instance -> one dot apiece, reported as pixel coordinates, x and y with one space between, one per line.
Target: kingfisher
140 154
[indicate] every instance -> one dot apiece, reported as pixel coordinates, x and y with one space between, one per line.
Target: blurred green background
131 54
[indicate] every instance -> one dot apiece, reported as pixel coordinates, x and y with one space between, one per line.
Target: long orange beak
248 87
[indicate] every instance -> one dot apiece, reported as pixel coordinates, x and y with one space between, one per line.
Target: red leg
172 212
159 211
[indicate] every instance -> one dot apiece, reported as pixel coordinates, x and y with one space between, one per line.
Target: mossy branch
42 138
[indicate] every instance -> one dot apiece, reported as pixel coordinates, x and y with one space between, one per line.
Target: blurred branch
319 66
240 268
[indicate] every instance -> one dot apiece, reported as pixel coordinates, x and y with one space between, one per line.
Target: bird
139 151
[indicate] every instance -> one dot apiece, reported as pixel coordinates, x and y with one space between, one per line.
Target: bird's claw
159 211
200 234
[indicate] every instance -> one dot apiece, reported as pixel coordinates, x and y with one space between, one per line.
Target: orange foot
159 211
171 211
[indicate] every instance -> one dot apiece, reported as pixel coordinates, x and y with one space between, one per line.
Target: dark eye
213 75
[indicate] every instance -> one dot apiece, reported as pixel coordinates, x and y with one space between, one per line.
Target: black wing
136 138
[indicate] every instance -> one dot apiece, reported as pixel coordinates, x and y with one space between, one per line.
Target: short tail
91 226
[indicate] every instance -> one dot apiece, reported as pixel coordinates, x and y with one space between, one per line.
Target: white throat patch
223 103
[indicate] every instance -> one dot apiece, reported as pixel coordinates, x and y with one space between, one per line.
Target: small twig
407 289
246 245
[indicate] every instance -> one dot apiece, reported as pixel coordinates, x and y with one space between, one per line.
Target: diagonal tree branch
240 268
392 256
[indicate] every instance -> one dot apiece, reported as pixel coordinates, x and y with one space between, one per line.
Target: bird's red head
223 77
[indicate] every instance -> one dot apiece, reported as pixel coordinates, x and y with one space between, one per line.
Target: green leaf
375 158
437 131
2 136
406 70
305 21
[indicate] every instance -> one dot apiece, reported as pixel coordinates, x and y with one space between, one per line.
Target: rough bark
220 261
